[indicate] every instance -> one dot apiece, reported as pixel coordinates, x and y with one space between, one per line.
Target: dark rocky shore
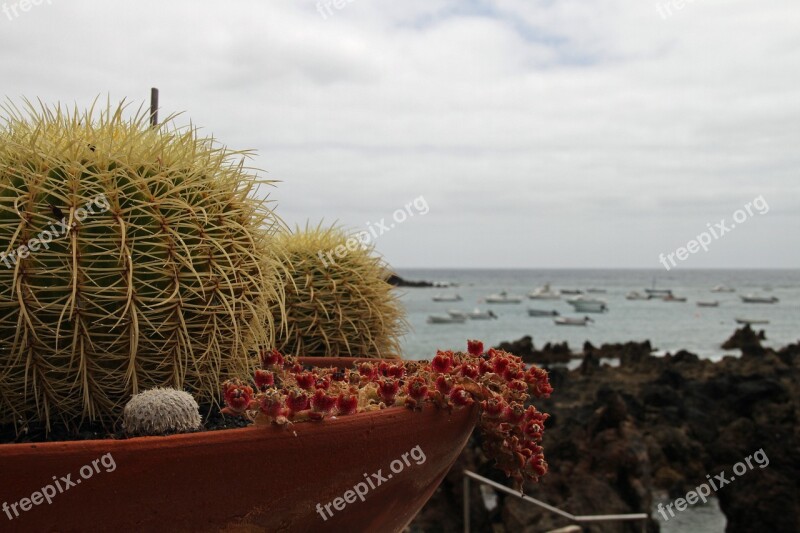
619 436
397 281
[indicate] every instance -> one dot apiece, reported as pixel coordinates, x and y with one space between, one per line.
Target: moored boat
584 304
477 314
568 321
455 313
446 319
722 288
636 295
503 298
751 321
544 293
541 312
708 304
754 299
447 298
658 293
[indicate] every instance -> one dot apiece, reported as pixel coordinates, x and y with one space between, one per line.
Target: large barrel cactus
337 300
132 258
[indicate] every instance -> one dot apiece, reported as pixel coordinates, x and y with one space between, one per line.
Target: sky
530 133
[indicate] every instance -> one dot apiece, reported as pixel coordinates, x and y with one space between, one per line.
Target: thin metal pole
572 518
154 107
466 504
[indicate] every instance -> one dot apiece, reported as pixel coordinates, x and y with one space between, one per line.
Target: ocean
670 326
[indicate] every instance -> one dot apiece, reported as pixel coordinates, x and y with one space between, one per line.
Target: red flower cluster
497 382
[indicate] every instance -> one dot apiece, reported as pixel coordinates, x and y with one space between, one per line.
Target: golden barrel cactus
131 258
337 300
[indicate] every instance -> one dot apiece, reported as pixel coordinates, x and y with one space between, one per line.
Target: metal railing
572 518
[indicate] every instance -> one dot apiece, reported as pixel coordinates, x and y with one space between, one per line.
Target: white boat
588 304
541 312
477 314
447 298
751 321
446 319
571 291
596 291
723 288
708 304
503 298
544 293
753 299
567 321
455 313
636 295
672 298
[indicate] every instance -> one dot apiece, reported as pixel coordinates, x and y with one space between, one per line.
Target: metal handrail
571 517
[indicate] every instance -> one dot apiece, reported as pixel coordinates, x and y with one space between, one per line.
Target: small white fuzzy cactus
161 411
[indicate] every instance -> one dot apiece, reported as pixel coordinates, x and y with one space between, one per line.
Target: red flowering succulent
238 397
264 379
495 382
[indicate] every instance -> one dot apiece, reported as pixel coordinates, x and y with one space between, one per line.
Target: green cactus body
335 306
161 281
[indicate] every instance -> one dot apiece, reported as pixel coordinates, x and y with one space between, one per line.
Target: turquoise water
670 326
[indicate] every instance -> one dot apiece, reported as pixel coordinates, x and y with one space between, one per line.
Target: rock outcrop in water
747 340
619 436
397 281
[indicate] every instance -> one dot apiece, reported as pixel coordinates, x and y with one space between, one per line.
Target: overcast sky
557 133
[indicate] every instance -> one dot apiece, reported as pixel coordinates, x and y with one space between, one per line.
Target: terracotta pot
261 478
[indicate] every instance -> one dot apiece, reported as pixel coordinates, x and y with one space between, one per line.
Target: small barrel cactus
337 300
161 411
131 257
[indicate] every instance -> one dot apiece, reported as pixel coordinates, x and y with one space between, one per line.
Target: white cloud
542 133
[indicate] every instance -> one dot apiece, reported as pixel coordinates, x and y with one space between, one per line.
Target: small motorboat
567 321
596 291
541 312
636 295
751 321
708 304
584 304
447 298
455 313
571 291
477 314
672 298
722 288
658 293
544 293
753 299
446 319
503 298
